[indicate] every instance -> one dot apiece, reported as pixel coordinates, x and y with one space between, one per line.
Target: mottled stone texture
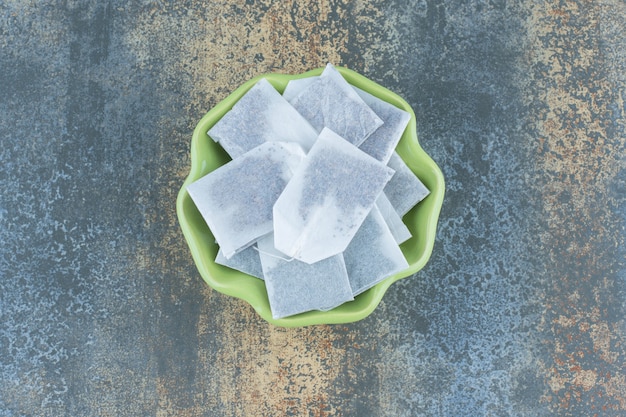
520 312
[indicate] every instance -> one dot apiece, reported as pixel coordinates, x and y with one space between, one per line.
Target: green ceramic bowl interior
206 155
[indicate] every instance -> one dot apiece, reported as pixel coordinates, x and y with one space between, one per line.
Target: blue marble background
520 311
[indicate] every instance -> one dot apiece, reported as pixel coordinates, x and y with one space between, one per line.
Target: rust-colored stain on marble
578 154
277 371
221 45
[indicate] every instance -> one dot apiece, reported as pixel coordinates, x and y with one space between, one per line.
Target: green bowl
206 155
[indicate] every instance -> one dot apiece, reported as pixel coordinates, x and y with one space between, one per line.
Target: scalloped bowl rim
422 220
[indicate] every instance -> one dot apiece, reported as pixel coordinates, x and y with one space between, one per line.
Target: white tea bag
327 199
295 287
295 87
397 227
383 141
246 260
236 199
261 115
329 101
373 254
404 190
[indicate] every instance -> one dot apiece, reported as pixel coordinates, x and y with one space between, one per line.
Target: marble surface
520 311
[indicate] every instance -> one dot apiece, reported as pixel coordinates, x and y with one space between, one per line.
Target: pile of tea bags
313 199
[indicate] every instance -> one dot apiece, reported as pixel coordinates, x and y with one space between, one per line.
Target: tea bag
295 87
404 190
327 199
247 261
383 141
236 199
261 115
329 101
373 254
398 229
295 287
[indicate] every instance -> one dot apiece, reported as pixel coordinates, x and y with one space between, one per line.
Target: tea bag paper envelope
246 260
404 190
329 101
327 199
398 229
373 254
236 199
295 287
383 141
261 115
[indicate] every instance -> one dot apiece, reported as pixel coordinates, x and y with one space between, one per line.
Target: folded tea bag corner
296 287
330 101
261 115
327 199
382 142
236 200
295 87
247 261
405 189
398 229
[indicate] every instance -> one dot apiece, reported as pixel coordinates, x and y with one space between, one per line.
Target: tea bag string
272 255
